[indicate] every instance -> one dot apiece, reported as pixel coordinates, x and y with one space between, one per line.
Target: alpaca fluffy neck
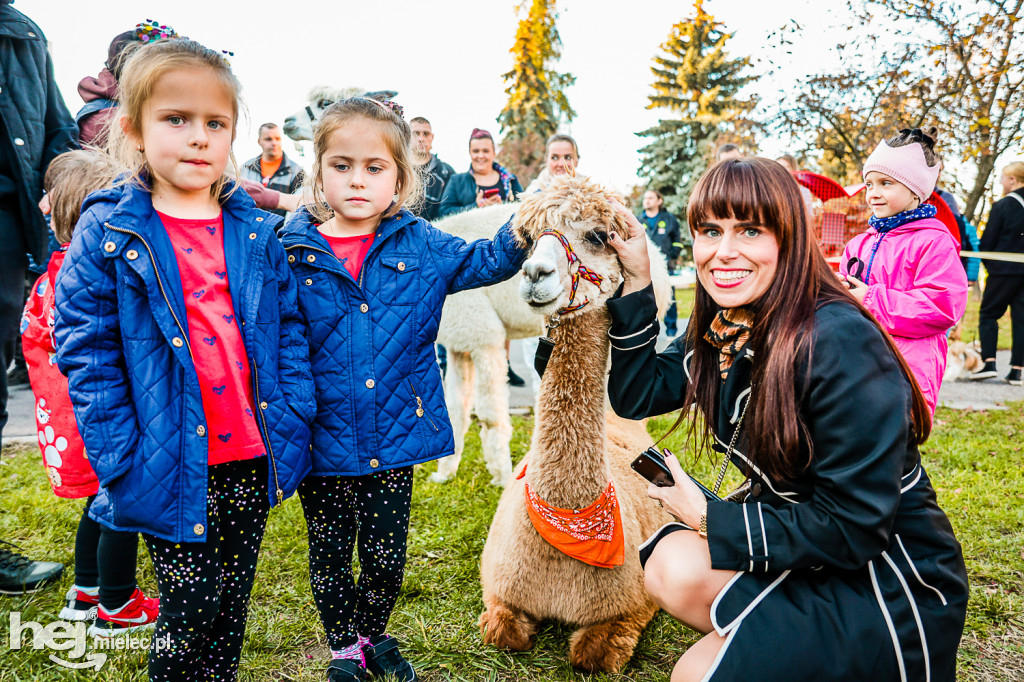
567 457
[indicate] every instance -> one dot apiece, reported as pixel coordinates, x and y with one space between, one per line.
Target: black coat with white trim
852 556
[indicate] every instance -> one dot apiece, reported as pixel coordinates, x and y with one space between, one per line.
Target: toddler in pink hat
906 267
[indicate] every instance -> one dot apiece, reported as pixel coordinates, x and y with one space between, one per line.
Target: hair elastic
388 105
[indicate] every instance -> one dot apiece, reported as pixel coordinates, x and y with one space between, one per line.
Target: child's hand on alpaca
858 288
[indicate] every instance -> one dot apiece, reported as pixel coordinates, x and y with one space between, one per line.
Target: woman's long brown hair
762 191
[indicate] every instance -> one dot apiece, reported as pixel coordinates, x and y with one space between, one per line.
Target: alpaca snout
295 129
535 270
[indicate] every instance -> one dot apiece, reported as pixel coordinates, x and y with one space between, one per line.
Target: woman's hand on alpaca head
632 252
684 500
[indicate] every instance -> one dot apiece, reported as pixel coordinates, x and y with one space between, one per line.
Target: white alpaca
299 126
474 327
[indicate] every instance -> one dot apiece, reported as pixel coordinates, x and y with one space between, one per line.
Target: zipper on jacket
420 412
159 282
266 433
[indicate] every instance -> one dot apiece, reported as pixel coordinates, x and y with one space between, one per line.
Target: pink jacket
917 292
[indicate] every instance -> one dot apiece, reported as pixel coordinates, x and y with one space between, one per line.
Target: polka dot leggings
204 586
337 509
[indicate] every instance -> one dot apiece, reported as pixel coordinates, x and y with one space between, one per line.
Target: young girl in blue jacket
372 281
187 362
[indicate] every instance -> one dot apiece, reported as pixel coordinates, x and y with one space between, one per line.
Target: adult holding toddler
837 540
486 183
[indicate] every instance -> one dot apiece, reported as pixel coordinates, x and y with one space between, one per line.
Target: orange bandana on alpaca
592 535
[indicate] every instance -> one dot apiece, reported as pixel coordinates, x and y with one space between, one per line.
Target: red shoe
138 614
81 605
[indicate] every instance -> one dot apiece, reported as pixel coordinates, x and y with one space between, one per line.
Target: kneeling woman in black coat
837 563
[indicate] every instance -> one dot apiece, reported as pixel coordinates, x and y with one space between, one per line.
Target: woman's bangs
728 190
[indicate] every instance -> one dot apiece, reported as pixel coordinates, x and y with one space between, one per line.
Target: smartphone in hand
492 192
651 465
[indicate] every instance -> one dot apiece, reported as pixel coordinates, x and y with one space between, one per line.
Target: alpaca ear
528 219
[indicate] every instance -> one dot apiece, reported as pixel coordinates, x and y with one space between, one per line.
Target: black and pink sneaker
383 658
346 670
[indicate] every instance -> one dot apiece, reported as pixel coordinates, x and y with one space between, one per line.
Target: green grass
975 460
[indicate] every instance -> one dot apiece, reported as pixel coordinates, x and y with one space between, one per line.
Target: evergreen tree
698 84
537 103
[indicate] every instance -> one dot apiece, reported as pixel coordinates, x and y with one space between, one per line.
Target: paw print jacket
63 455
122 340
380 404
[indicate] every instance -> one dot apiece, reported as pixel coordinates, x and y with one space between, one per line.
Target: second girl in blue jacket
372 281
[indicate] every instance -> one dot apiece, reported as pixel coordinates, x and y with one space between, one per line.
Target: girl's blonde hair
139 77
397 137
1016 171
69 179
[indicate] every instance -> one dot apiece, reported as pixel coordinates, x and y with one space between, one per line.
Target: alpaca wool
906 164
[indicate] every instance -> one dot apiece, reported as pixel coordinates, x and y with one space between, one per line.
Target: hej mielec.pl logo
73 639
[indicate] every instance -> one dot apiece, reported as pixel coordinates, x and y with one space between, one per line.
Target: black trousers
205 586
106 559
1002 292
339 509
13 264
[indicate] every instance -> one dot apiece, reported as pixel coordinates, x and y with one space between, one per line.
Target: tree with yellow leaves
537 103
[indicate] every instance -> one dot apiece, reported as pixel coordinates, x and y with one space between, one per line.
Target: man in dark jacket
434 171
273 169
35 126
1004 287
663 229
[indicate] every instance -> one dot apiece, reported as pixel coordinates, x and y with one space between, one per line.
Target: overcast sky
445 59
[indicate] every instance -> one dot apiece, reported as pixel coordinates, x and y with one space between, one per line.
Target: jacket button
263 405
291 259
311 258
131 254
755 490
198 529
370 383
177 342
110 247
308 282
363 308
374 464
401 267
200 430
31 34
259 219
252 235
20 142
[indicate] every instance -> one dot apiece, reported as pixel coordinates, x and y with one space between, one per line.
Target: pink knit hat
905 164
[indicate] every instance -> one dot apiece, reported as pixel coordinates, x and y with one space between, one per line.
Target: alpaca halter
581 272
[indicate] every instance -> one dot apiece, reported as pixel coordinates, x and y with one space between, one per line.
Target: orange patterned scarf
729 332
592 535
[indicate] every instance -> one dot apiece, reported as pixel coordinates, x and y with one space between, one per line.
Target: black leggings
204 586
337 509
106 559
1002 292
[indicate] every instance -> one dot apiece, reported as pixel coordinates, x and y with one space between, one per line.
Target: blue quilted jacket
380 404
122 340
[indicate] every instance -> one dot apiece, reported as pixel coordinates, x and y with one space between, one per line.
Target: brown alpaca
578 447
